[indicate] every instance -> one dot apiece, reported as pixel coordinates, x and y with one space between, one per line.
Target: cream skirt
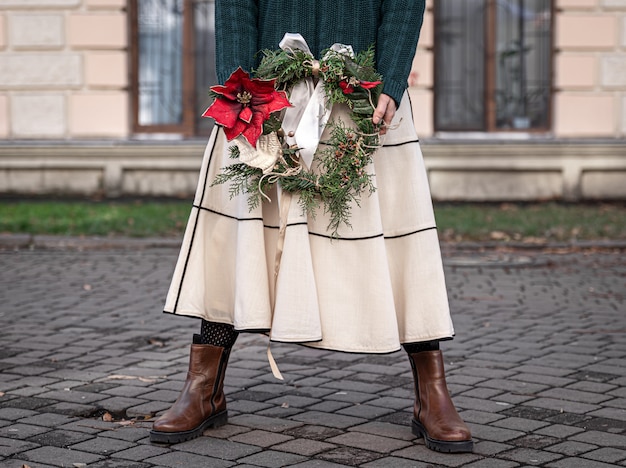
378 285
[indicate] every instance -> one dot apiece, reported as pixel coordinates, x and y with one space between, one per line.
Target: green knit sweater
244 27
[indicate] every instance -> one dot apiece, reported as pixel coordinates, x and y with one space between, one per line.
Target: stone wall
63 69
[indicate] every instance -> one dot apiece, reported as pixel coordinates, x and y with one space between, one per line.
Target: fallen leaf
155 342
126 423
285 405
25 466
1 394
107 417
87 287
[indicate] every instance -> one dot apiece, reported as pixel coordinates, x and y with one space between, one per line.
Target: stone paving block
479 417
561 405
19 463
21 431
392 402
61 439
606 455
349 456
272 459
350 396
317 464
574 395
543 379
227 431
513 399
400 432
90 426
60 456
488 448
141 452
530 456
520 424
313 432
595 387
395 462
489 406
559 430
161 395
152 407
481 393
571 448
186 459
578 462
356 386
261 438
119 405
556 371
294 400
128 433
113 463
279 412
366 411
29 391
9 446
102 445
70 409
420 453
602 439
494 434
265 423
609 413
370 442
13 414
305 447
616 403
27 403
217 448
328 419
329 406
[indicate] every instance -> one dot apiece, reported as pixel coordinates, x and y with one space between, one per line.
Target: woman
377 287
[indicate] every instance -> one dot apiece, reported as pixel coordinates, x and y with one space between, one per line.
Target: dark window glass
493 65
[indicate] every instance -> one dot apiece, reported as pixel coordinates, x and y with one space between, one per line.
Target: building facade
513 99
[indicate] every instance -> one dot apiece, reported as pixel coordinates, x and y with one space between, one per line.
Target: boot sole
214 421
452 446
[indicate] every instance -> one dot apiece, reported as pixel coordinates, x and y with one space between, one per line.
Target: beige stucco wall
63 69
590 69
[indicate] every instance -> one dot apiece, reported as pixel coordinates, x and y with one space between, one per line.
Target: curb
46 242
50 242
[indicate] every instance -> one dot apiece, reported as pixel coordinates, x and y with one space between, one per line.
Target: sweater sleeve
236 36
396 42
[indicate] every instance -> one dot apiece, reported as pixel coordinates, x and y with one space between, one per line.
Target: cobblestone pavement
538 370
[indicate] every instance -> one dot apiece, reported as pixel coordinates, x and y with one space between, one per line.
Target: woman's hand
384 112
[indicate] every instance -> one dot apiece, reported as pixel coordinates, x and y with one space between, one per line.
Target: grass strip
530 222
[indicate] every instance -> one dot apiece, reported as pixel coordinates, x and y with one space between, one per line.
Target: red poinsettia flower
244 104
348 85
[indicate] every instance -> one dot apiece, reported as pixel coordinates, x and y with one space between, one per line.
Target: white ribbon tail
273 364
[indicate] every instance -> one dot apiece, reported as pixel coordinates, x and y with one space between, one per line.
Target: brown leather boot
434 415
201 404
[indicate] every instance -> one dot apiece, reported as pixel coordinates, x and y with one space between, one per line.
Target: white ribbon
303 124
305 121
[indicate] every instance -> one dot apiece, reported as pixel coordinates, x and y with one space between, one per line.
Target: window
493 65
173 65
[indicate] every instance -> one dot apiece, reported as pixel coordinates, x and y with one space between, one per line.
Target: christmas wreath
252 109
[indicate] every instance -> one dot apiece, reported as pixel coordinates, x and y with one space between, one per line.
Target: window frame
186 127
489 98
